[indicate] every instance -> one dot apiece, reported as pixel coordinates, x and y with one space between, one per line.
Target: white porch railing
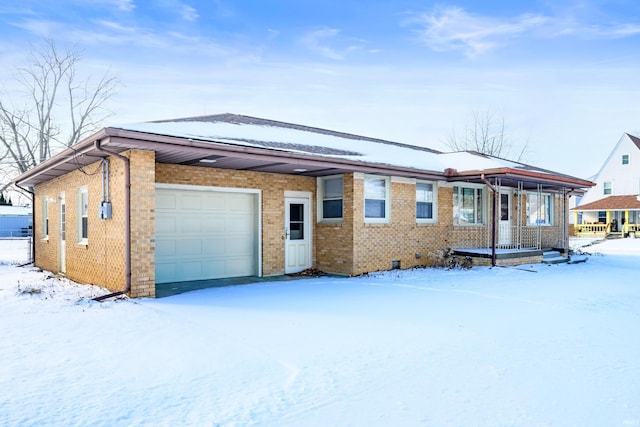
514 237
507 237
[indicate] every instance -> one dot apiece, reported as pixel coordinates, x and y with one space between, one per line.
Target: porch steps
553 257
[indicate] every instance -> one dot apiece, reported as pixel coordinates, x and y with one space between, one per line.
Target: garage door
205 235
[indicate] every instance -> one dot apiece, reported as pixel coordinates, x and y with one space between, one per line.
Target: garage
205 233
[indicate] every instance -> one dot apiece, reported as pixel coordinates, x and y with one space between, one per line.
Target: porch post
494 202
494 215
625 229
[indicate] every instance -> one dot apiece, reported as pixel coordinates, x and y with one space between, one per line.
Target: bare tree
486 135
57 110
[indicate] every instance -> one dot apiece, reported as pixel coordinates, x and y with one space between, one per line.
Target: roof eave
126 139
548 178
80 148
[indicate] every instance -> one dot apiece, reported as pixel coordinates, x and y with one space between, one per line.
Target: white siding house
612 206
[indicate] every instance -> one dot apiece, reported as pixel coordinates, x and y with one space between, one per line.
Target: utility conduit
127 214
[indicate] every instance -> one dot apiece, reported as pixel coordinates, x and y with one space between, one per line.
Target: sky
562 75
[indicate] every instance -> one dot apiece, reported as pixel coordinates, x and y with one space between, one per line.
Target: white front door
62 250
297 250
505 233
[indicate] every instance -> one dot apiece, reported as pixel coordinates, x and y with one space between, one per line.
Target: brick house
201 199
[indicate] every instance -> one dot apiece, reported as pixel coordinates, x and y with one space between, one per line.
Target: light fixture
299 170
207 161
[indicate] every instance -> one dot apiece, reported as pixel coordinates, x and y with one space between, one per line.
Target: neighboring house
144 206
15 221
612 206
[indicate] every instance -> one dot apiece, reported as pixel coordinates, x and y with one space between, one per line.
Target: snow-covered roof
240 130
260 133
241 142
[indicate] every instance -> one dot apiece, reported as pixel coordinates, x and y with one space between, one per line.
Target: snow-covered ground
555 346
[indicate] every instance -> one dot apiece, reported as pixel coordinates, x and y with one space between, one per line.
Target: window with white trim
426 201
376 199
540 209
45 217
602 217
606 187
625 159
83 215
331 190
468 205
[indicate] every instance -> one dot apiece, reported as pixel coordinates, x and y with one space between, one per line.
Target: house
612 206
140 207
15 221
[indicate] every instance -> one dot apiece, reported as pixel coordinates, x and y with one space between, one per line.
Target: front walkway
175 288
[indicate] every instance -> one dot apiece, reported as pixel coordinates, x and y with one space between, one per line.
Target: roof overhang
224 155
192 152
510 177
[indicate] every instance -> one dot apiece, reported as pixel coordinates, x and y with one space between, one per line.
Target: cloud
319 41
124 5
452 28
185 11
615 31
121 5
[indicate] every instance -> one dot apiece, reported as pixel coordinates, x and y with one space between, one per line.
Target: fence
15 226
17 250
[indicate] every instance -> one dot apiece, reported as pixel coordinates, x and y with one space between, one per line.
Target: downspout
33 223
493 218
127 220
565 235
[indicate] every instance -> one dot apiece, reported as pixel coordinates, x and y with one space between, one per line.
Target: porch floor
504 257
500 253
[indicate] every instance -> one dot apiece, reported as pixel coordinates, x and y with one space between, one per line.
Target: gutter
33 222
550 177
127 214
62 157
494 207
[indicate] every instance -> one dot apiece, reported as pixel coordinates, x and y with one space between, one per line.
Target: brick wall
334 241
142 223
101 260
402 239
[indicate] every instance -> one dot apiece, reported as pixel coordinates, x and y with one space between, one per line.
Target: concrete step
553 257
577 259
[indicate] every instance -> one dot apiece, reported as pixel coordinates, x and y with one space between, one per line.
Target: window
45 217
296 221
83 215
426 206
625 159
539 209
376 199
468 206
607 187
602 217
330 189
